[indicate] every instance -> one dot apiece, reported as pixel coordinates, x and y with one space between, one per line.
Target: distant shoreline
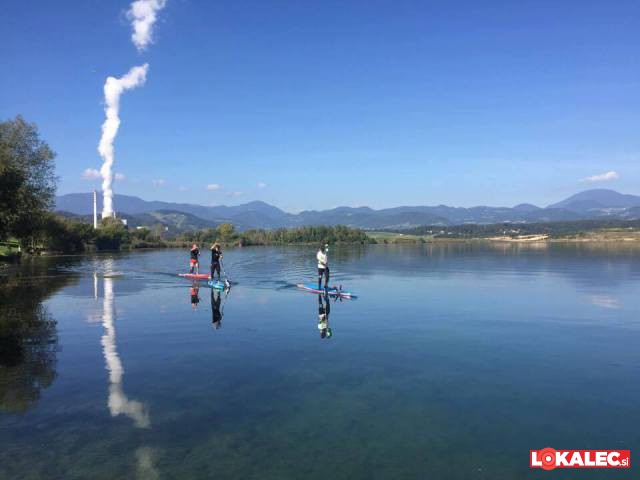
609 237
605 236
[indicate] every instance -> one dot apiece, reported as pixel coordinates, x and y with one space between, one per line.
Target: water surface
453 363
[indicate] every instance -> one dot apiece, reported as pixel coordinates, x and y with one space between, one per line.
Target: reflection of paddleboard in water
195 276
217 284
333 291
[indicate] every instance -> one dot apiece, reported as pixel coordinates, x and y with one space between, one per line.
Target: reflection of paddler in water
195 298
324 309
216 311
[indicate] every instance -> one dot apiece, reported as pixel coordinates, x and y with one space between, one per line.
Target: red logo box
549 459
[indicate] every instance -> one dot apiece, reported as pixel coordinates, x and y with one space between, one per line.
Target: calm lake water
453 363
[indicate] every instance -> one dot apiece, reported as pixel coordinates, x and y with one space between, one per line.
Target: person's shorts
193 261
322 270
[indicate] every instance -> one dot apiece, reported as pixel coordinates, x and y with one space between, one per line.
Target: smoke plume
113 88
142 14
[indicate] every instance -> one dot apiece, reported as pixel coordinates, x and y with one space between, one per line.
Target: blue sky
316 104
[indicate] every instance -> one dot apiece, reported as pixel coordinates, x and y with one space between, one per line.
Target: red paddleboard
195 276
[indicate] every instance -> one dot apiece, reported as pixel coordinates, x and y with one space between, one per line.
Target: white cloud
91 174
183 189
119 176
212 187
261 185
142 15
603 177
158 182
234 194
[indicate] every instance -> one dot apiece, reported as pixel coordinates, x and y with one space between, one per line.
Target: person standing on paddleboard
216 258
323 266
194 263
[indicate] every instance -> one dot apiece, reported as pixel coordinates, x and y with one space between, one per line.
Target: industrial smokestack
95 210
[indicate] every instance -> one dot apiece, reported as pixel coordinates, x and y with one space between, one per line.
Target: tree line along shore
29 225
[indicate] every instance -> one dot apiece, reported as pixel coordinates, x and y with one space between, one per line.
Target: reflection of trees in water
28 338
27 359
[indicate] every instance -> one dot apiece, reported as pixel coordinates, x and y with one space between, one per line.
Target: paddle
226 277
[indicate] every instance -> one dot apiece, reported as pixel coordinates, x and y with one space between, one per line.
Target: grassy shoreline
626 236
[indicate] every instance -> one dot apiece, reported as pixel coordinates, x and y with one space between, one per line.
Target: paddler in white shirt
323 266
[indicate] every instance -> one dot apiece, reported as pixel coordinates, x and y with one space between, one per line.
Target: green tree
226 233
27 179
310 234
63 235
112 235
142 233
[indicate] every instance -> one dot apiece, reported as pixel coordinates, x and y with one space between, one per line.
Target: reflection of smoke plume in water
118 401
142 14
146 468
113 88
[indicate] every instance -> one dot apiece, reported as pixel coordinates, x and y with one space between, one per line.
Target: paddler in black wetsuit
194 263
216 258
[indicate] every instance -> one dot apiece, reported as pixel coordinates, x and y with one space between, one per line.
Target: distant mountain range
590 204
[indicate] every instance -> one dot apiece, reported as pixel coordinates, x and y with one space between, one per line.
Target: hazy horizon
230 204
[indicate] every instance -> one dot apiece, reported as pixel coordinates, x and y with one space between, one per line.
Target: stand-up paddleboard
333 291
195 276
217 284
